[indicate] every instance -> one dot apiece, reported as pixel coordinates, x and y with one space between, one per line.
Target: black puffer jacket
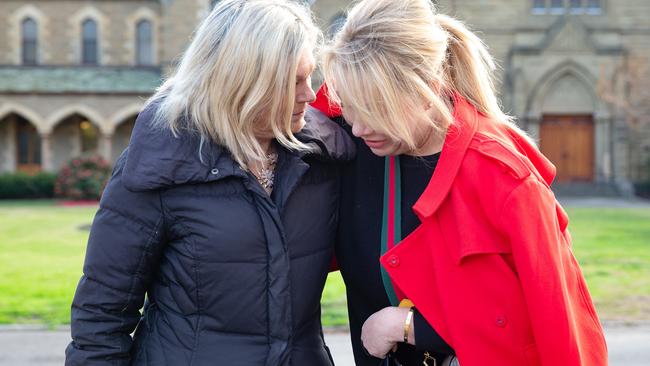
231 275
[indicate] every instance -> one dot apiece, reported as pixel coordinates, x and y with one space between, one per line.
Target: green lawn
42 247
41 253
613 248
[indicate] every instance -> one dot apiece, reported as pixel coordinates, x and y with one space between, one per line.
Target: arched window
576 6
594 6
557 6
29 30
28 146
89 55
539 6
144 43
89 136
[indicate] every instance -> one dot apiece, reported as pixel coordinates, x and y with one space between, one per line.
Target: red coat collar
457 141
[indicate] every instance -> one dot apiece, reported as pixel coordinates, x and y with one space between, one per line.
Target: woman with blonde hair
222 211
447 209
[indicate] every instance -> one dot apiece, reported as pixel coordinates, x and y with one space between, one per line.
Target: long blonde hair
239 75
392 58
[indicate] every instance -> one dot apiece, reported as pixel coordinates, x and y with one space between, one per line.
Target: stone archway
74 135
567 129
571 123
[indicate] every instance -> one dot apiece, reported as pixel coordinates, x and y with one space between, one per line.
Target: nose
306 95
360 130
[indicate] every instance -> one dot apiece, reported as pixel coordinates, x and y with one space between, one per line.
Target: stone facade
553 60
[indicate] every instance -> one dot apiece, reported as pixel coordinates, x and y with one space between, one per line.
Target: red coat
491 266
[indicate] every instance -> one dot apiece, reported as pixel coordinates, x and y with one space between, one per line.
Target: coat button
393 261
500 321
214 171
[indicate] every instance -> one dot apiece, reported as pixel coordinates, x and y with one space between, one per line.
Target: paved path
628 345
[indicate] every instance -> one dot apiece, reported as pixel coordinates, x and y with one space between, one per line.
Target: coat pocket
464 247
475 237
465 251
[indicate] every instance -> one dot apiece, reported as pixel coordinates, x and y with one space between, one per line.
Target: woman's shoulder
157 157
330 140
496 153
496 162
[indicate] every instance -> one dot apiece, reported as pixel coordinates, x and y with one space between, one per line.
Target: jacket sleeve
565 325
122 255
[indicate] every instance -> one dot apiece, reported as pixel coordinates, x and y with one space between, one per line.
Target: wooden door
568 141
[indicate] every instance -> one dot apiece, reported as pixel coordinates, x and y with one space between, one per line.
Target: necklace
266 174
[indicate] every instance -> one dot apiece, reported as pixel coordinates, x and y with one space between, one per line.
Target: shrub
21 185
83 178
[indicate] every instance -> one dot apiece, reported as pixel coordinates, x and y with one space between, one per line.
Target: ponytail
469 67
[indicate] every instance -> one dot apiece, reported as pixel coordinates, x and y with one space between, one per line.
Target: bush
22 185
83 178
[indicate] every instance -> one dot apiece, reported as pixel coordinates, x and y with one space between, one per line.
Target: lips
375 144
298 114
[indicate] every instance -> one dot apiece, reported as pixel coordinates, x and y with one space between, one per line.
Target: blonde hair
238 76
392 58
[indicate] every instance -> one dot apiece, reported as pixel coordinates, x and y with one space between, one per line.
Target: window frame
87 41
28 143
594 10
28 43
139 45
588 7
556 10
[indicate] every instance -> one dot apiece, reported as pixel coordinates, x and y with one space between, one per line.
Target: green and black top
360 245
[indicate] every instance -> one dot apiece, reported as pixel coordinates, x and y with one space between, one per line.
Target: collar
457 140
156 158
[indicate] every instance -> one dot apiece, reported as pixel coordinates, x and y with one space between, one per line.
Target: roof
79 79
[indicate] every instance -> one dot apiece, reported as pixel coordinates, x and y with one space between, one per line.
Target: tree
627 89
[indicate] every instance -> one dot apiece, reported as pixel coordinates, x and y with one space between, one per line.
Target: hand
383 330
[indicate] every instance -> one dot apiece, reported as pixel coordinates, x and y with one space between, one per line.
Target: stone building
558 58
74 74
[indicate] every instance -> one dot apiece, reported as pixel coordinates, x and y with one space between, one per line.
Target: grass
335 311
613 248
41 254
42 249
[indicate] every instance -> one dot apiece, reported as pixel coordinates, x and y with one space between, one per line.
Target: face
304 92
379 143
304 96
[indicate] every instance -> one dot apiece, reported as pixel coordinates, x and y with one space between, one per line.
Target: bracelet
407 325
